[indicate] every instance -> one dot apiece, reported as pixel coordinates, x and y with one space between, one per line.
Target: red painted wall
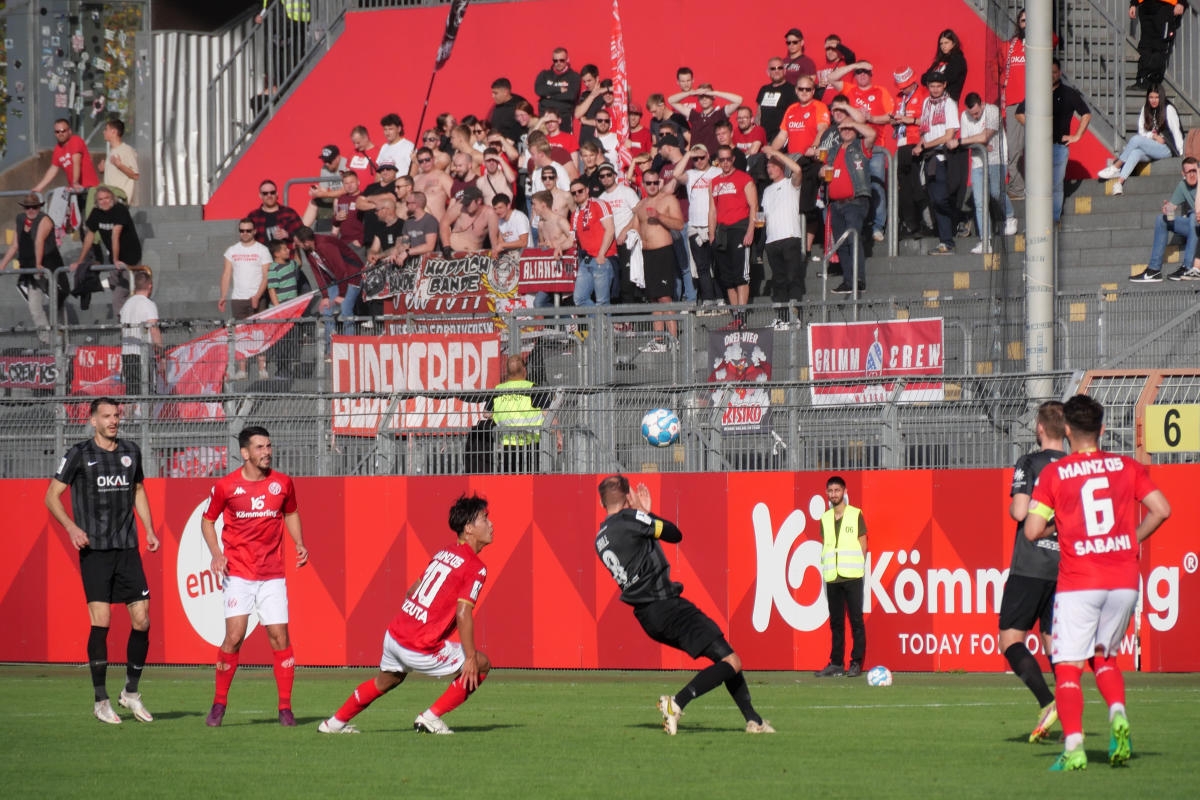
749 558
383 61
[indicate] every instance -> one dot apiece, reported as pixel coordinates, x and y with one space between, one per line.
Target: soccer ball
879 676
660 427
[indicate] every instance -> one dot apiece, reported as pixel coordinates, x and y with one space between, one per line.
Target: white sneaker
1010 226
335 725
1108 173
670 714
755 727
781 325
877 236
1118 189
428 723
654 346
103 711
977 249
134 703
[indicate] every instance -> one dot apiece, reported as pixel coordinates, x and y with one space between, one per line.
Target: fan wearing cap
797 65
469 224
321 195
640 140
36 247
877 105
909 100
939 138
384 186
704 117
273 220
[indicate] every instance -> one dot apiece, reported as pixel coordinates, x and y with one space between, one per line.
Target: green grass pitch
585 734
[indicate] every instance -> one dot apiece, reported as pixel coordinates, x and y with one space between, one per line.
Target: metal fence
602 375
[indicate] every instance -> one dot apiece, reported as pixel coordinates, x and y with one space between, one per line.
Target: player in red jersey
440 601
258 503
1093 497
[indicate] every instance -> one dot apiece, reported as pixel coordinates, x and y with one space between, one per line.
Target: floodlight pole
1040 230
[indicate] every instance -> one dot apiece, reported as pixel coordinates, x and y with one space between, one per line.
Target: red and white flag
458 8
620 81
198 367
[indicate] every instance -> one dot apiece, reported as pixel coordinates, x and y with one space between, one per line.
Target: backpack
1191 144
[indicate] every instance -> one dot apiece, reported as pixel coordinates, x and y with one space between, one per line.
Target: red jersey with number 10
1095 498
252 539
427 617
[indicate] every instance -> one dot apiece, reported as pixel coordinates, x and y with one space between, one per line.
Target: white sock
1114 709
334 724
1074 741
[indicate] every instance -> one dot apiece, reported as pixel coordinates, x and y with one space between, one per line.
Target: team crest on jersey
274 487
126 461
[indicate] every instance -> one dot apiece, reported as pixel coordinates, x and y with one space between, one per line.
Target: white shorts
446 661
268 598
1086 621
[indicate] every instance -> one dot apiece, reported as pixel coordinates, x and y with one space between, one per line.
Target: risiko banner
876 350
403 368
939 546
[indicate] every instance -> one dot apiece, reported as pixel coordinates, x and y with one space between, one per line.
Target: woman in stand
950 62
1158 136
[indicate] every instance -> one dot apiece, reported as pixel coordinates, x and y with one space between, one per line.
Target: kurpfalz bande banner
468 293
27 372
876 351
402 368
741 358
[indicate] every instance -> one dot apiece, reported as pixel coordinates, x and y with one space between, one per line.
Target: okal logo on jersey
200 589
915 587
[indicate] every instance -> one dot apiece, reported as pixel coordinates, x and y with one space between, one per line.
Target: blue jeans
346 310
1138 149
685 288
995 189
1184 226
592 278
877 167
1061 155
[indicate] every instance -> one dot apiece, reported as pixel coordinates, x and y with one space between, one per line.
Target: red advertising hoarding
939 546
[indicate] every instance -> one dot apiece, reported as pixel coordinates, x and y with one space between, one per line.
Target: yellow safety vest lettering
841 556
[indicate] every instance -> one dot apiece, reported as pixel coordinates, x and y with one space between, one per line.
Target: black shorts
113 576
658 268
1026 601
678 623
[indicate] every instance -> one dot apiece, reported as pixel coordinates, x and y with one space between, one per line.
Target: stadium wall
383 60
939 544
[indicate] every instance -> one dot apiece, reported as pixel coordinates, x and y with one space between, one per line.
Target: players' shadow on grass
300 721
683 727
1097 757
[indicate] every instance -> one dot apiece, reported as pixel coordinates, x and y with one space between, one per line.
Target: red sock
455 695
365 694
226 665
1068 697
285 675
1109 679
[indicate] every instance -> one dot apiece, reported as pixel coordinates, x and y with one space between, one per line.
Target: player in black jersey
1033 572
628 544
104 474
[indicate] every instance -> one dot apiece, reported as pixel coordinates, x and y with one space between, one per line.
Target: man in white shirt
244 282
784 234
120 168
622 200
139 333
395 146
980 124
513 224
697 171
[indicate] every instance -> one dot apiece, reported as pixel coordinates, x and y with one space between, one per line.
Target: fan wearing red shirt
803 122
877 104
71 156
441 600
733 207
257 503
1092 498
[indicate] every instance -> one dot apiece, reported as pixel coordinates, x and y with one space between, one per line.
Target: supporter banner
197 462
543 271
27 372
742 357
619 111
890 349
95 372
198 367
406 366
454 18
939 550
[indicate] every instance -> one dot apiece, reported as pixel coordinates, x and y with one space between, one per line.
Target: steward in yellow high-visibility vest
843 564
518 417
